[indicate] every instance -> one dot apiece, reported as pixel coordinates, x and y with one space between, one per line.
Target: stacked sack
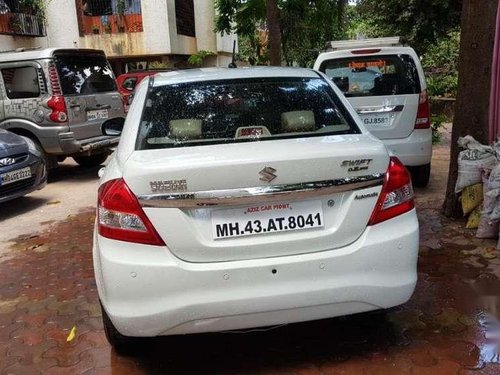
479 181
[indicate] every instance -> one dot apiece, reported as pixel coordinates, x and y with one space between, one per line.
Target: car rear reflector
365 51
423 113
120 217
396 196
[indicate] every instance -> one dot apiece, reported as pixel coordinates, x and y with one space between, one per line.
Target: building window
184 17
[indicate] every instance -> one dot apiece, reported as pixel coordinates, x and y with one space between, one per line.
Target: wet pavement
447 327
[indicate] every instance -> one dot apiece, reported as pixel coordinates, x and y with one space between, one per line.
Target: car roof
215 74
369 52
45 53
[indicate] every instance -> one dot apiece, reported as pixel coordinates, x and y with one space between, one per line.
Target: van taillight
423 120
58 106
365 51
120 217
396 196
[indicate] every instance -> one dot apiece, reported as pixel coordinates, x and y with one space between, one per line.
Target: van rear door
383 88
90 92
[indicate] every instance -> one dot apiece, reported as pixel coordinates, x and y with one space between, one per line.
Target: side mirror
113 127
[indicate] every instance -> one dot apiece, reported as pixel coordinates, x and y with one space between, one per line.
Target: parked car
127 82
22 168
248 197
385 83
61 99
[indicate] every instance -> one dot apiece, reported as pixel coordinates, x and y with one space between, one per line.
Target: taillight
365 51
396 197
423 120
120 217
58 106
54 80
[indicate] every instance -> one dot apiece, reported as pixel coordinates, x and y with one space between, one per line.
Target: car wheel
92 160
420 175
123 345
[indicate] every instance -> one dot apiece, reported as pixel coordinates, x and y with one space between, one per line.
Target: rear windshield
241 110
373 75
85 74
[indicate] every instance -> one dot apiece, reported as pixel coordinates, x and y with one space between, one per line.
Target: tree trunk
274 34
341 6
474 75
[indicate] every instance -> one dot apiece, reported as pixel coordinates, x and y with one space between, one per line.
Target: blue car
22 167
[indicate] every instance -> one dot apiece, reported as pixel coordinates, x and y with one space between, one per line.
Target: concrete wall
156 26
8 42
204 18
62 24
116 45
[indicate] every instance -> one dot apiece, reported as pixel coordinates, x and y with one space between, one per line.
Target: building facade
134 33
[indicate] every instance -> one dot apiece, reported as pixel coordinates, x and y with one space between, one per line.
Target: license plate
98 114
382 119
10 177
267 218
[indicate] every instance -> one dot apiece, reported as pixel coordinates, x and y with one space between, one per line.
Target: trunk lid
333 218
387 117
89 90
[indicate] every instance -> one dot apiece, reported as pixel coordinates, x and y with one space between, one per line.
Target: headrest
298 121
188 128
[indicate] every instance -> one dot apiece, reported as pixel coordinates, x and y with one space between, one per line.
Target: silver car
61 99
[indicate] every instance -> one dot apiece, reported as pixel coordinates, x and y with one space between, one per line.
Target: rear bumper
147 291
70 146
23 187
413 150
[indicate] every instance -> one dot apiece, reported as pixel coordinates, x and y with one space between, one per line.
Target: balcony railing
127 23
21 24
109 16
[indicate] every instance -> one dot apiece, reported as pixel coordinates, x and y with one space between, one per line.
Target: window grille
109 16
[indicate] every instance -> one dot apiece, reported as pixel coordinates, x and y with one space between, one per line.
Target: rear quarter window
373 75
241 110
21 83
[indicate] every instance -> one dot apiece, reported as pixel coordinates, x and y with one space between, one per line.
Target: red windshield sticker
251 132
366 64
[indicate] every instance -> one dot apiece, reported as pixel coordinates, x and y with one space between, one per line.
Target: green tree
420 22
474 83
304 26
440 63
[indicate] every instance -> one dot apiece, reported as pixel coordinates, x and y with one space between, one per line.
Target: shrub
440 63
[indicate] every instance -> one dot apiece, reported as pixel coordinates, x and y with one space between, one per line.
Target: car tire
420 175
123 345
91 161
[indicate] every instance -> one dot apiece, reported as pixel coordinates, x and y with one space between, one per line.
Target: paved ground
47 287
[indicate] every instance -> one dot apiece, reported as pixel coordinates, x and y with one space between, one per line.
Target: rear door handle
98 106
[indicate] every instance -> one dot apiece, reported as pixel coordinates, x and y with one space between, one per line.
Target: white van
385 83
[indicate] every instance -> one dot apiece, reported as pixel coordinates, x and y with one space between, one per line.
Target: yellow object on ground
474 218
72 334
472 196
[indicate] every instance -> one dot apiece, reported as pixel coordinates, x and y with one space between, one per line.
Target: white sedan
248 197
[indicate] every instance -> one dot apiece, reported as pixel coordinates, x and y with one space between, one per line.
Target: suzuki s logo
7 161
267 174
